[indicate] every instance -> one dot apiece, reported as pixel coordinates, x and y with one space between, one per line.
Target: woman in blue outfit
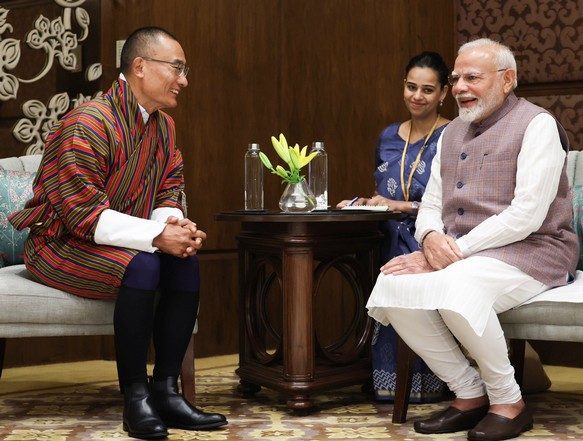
403 164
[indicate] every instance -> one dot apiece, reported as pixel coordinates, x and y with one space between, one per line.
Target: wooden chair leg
517 348
187 373
405 359
2 351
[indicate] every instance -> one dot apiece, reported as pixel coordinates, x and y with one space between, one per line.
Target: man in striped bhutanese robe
106 222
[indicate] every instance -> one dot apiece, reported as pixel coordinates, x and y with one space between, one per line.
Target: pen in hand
352 201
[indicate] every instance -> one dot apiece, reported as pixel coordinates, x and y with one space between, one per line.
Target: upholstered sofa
555 315
30 309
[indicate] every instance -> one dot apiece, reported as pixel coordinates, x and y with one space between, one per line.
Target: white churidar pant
429 310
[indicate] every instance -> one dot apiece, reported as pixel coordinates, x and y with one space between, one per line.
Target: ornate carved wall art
569 110
41 119
545 35
44 62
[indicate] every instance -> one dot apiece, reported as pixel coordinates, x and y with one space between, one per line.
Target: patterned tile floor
80 401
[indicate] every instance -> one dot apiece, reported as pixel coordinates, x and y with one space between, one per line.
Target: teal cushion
15 190
578 219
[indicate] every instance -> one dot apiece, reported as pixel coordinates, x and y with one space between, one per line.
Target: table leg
298 326
247 389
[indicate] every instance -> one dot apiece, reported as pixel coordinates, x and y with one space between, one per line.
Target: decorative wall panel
49 62
545 35
569 110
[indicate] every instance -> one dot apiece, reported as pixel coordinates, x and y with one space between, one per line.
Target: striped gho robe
101 156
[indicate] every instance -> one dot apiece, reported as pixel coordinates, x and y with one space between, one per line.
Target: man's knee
180 273
143 272
189 264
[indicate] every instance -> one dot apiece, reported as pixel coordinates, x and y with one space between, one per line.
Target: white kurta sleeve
429 217
539 166
163 213
122 230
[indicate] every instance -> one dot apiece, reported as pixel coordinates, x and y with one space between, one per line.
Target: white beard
484 107
474 113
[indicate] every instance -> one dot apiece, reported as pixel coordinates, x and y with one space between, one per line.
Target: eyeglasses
181 68
470 78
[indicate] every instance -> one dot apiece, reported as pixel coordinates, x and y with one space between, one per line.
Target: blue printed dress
399 240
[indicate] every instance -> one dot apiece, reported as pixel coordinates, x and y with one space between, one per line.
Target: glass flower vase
297 198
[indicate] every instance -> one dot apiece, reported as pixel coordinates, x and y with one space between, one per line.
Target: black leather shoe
176 412
497 427
140 419
451 420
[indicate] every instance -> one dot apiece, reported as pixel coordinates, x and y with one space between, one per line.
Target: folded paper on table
367 207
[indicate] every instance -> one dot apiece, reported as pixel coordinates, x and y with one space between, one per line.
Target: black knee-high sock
133 319
173 324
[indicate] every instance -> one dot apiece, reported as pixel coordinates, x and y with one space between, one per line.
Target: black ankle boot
140 418
178 413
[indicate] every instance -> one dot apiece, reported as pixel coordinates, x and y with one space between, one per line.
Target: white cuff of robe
122 230
163 213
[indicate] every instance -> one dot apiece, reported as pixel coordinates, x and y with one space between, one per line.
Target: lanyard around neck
417 159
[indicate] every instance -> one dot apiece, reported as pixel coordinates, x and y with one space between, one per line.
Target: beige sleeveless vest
478 169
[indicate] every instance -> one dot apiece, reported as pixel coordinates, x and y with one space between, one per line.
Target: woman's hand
440 250
348 202
402 206
413 263
380 200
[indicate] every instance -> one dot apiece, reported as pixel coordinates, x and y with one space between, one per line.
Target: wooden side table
294 251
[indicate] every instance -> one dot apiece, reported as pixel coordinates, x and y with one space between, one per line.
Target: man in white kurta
494 225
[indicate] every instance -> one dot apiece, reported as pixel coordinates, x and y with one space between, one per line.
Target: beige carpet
80 401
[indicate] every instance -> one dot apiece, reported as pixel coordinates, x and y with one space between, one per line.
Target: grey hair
502 53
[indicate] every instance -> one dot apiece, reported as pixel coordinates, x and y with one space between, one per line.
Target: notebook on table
367 207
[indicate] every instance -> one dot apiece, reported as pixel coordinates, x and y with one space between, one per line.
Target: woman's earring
441 103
